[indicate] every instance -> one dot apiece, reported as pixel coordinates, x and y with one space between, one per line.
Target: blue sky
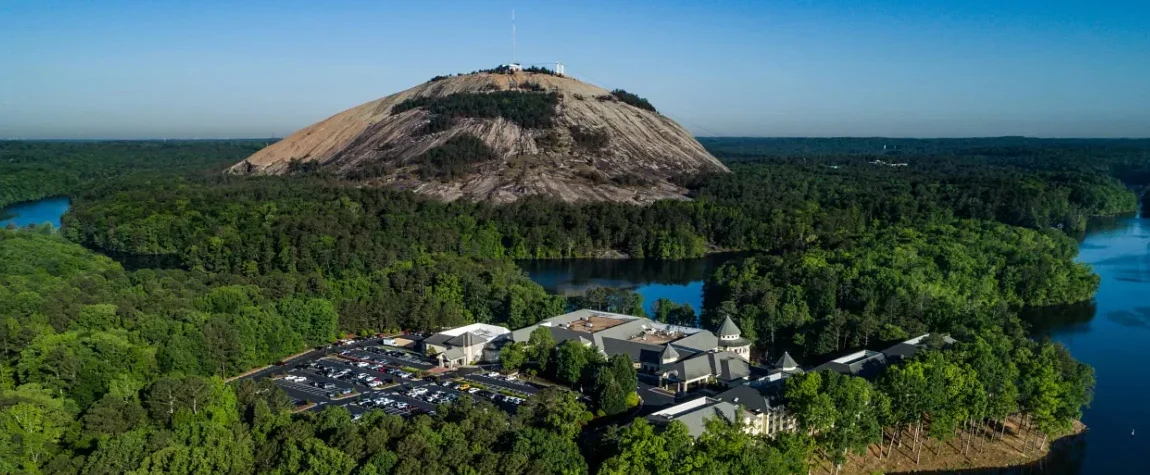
923 68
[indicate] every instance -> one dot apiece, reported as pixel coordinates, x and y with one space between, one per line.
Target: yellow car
464 387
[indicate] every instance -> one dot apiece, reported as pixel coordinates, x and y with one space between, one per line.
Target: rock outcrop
592 147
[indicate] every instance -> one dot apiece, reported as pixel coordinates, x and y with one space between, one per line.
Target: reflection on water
1044 321
1112 334
680 281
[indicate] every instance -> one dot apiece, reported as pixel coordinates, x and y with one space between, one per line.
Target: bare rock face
594 147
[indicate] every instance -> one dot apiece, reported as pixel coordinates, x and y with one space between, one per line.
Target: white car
472 390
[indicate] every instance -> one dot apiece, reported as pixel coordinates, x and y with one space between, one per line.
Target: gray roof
868 365
669 353
747 397
728 328
786 362
651 357
723 365
737 342
731 369
696 419
437 339
634 349
499 342
907 349
454 354
699 341
466 339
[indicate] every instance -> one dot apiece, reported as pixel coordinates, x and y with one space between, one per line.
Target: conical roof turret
786 363
728 328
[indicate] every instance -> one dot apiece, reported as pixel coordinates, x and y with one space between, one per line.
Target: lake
1112 334
47 210
680 281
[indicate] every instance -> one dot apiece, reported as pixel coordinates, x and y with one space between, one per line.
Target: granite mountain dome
499 136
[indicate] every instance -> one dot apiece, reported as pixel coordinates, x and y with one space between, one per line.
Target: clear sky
913 68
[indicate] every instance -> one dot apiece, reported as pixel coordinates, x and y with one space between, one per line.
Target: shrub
297 166
631 180
633 100
549 141
454 158
528 109
438 123
633 399
373 170
592 175
589 139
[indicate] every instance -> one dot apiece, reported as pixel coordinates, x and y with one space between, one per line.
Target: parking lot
497 381
389 356
374 377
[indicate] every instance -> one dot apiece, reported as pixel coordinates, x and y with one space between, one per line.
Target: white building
463 345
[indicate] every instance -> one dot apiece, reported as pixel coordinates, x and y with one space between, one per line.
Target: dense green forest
898 283
34 170
315 223
107 370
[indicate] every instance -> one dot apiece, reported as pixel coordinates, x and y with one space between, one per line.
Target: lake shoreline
48 210
995 456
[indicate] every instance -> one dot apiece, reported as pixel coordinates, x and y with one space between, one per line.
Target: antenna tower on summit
514 66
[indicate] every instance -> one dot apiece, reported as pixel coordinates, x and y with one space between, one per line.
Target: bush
373 170
438 123
454 158
589 139
633 399
633 100
631 180
297 166
549 141
592 175
528 109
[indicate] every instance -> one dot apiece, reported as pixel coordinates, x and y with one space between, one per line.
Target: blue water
1112 334
679 281
1114 338
47 210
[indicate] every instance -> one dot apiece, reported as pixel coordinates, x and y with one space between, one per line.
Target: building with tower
731 339
677 358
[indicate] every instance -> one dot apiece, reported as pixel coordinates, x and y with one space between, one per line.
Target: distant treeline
761 206
31 170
